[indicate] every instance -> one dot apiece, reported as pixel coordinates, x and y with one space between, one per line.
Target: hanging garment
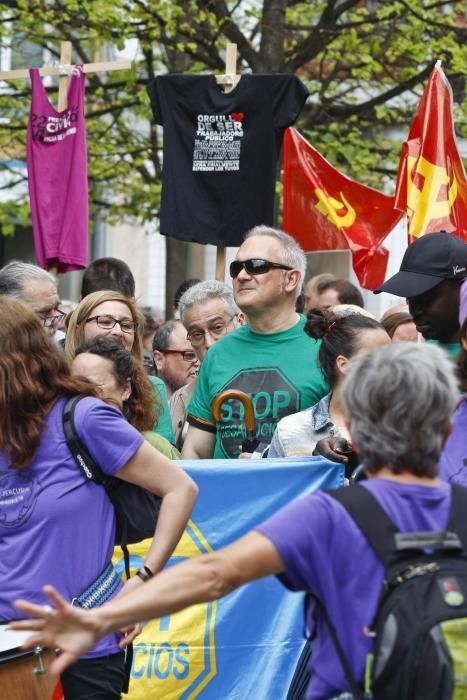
220 152
57 176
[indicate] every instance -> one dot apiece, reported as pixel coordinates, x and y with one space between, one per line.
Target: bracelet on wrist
144 573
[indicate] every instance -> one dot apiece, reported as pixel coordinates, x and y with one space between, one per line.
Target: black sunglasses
255 266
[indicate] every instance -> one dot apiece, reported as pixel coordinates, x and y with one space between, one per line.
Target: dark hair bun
318 321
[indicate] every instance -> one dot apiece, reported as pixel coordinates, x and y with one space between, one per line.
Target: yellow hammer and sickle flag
341 213
424 204
431 186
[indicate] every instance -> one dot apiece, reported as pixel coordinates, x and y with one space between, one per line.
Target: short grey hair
400 399
14 275
292 252
203 292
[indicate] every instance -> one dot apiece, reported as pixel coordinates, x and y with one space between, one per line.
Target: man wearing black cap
430 277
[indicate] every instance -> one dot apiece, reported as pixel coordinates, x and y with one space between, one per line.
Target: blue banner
247 644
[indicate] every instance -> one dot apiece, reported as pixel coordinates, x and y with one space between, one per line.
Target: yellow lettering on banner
424 205
331 208
175 656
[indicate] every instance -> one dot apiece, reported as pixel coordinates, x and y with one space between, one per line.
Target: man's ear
293 279
158 358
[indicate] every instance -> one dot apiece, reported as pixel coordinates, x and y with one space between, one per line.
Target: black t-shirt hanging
221 151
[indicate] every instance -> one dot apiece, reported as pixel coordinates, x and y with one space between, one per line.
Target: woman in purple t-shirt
58 525
313 544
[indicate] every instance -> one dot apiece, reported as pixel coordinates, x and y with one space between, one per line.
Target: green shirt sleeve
163 426
161 444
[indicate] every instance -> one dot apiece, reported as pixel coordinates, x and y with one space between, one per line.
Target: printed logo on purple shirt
19 490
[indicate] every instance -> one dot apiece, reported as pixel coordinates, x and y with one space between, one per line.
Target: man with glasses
36 287
174 358
271 358
208 311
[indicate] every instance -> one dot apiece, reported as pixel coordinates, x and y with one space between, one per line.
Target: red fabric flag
431 184
326 210
58 692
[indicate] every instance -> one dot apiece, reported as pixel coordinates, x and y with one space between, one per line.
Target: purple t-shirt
324 552
56 527
453 460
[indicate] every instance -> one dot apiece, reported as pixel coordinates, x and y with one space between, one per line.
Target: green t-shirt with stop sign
279 372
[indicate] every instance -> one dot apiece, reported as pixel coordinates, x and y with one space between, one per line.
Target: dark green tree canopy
365 63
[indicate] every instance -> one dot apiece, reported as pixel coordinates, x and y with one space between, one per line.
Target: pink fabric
57 176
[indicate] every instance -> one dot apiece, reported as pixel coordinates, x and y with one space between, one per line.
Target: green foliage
365 68
13 214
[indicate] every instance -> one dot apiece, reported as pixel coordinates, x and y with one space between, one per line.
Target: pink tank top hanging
57 176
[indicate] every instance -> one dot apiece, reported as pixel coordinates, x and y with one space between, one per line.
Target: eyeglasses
215 329
187 355
109 322
51 318
255 266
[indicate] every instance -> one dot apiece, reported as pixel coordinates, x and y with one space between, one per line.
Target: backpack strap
89 468
371 518
380 531
355 688
457 519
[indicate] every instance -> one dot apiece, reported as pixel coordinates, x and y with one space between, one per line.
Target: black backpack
420 625
136 509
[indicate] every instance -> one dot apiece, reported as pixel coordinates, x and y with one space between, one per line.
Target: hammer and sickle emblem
332 208
423 204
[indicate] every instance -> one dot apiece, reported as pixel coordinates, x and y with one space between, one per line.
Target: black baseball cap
428 261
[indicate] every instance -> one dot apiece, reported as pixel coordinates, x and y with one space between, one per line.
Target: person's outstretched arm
205 578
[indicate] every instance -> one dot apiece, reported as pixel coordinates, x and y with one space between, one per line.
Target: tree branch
363 107
321 35
232 32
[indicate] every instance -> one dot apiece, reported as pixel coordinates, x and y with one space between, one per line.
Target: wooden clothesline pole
100 67
63 80
230 78
228 81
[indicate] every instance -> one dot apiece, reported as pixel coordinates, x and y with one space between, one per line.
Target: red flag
431 184
326 210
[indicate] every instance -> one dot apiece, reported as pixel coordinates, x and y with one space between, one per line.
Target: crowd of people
324 378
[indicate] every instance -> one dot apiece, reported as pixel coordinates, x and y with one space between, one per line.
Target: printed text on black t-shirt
218 141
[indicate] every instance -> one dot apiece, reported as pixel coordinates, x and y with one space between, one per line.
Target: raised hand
70 629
